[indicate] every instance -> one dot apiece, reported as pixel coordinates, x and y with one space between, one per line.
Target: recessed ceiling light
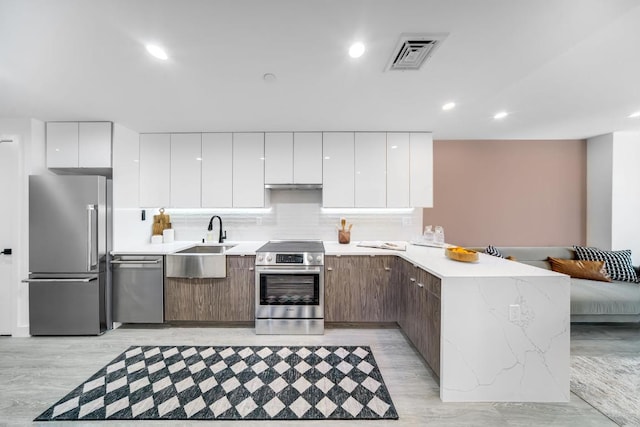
394 147
634 115
501 115
356 50
449 106
157 52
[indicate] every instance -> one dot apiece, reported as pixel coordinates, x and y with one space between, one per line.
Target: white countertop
432 260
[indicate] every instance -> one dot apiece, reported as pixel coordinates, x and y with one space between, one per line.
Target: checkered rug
231 383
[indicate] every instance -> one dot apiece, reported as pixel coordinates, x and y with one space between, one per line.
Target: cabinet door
62 144
241 300
248 170
370 170
278 158
230 299
126 169
186 165
338 170
433 332
336 306
217 170
155 169
398 175
307 158
94 150
421 146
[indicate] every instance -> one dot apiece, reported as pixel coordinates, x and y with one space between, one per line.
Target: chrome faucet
221 237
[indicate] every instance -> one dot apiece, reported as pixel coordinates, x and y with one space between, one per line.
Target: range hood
293 186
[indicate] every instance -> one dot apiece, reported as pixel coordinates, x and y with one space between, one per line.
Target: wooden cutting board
160 223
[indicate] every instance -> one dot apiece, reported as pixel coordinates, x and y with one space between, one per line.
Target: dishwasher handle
155 261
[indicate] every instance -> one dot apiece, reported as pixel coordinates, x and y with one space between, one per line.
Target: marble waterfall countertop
430 259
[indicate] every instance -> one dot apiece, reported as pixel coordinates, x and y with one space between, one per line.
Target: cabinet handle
372 256
412 279
420 285
329 268
250 268
387 269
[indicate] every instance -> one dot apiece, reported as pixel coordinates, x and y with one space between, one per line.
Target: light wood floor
36 372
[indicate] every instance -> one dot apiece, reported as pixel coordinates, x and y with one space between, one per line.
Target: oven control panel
292 259
289 259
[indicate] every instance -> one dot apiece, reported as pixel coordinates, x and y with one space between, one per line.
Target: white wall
625 193
613 199
599 190
29 134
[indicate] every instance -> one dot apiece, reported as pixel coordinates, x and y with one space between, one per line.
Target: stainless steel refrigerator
69 244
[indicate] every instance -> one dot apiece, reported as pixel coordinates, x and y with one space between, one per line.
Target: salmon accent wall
510 193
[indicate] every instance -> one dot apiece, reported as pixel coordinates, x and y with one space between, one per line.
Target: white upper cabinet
248 170
307 158
370 169
338 169
398 172
278 158
421 146
217 170
79 144
186 165
94 148
126 167
155 169
62 144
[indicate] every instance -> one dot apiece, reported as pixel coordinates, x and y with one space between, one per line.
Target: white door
186 168
307 158
338 170
9 176
371 169
398 176
217 170
155 170
248 170
278 158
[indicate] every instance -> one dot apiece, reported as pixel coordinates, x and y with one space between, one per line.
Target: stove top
293 246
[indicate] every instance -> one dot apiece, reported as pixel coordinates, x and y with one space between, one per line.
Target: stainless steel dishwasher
138 288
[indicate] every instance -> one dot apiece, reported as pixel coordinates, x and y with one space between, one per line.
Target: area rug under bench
231 383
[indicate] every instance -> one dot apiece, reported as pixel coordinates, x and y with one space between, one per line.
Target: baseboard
21 332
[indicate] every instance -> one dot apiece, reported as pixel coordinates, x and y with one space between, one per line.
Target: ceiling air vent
413 49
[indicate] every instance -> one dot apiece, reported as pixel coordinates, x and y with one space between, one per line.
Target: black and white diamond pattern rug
231 383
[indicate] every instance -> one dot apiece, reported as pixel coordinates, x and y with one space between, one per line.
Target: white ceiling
562 68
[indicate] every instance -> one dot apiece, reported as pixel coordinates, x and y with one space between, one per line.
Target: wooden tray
457 253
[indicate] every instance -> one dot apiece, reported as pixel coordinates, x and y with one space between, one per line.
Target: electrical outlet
258 220
406 221
514 312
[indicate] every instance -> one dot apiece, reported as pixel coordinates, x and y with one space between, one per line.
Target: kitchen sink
198 262
206 249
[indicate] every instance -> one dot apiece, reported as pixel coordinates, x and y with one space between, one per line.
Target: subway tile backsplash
294 214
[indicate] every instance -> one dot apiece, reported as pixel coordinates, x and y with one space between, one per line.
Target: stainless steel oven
290 288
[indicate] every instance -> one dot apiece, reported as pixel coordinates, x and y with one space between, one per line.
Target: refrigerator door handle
83 280
91 209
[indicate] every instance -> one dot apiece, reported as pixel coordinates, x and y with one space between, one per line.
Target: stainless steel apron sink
198 262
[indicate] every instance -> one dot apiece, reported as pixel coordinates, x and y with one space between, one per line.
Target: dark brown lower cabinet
360 289
419 311
230 299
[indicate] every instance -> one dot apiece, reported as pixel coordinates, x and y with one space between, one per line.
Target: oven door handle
288 271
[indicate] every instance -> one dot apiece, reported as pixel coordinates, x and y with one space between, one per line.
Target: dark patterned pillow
617 263
490 250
